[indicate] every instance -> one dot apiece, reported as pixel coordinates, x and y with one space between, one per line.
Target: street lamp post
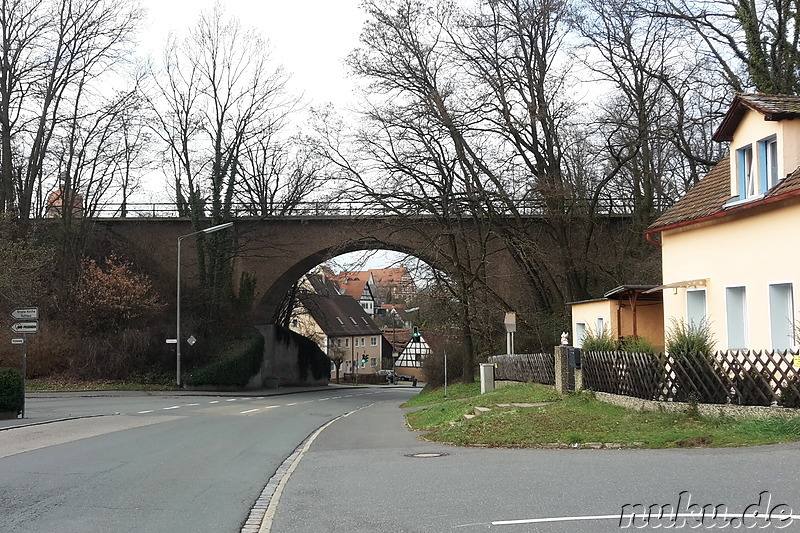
178 297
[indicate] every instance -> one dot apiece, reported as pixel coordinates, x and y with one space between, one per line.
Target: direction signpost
31 326
27 322
25 313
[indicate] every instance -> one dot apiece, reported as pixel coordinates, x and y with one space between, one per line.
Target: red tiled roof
772 106
707 199
704 199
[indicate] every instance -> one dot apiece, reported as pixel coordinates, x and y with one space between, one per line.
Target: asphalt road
357 476
169 463
164 463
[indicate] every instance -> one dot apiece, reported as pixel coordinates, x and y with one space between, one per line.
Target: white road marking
173 407
293 403
191 404
231 400
249 411
618 517
215 401
324 399
271 406
144 412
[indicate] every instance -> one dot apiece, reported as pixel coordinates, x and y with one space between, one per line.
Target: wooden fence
535 367
745 377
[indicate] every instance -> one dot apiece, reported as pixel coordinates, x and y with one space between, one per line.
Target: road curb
263 511
50 421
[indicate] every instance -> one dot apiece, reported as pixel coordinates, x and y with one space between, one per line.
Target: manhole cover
425 455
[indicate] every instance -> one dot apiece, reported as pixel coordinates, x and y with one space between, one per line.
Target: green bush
697 378
11 395
312 360
683 338
633 344
599 341
235 366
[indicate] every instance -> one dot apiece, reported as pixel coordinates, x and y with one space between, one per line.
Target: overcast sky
310 38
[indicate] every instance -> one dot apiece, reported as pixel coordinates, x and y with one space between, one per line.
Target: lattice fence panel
629 374
536 367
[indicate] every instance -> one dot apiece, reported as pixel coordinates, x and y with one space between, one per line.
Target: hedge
236 365
11 396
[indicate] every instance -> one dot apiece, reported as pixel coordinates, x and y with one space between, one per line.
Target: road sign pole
24 368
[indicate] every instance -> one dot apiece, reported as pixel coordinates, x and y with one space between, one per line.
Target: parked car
404 377
390 375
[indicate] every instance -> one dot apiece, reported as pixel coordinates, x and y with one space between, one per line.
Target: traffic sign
25 327
25 313
17 341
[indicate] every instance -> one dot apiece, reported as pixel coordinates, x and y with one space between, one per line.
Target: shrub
696 376
111 294
633 344
11 395
683 338
311 360
235 366
599 341
433 367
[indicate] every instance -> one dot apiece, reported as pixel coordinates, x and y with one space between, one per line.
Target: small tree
111 294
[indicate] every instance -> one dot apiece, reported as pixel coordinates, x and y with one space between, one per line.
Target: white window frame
736 318
689 317
770 163
347 342
747 178
580 334
781 326
373 341
600 322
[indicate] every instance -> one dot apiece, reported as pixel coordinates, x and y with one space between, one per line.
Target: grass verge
578 419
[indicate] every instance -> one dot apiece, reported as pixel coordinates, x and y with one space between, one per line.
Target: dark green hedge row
11 395
312 360
236 365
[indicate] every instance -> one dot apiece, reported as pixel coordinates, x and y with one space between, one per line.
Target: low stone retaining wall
705 409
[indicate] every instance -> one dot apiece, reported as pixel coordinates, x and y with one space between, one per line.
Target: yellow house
629 310
730 251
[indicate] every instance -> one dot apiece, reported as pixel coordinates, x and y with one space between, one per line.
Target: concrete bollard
487 377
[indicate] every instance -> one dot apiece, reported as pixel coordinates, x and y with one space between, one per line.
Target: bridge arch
267 305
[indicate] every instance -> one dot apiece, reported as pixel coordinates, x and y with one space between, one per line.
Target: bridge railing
606 206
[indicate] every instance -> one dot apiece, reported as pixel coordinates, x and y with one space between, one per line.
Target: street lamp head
217 228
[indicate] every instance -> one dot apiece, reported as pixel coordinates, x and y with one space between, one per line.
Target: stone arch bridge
278 251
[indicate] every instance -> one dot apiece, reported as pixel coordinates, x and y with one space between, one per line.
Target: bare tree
54 52
217 96
278 175
760 35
